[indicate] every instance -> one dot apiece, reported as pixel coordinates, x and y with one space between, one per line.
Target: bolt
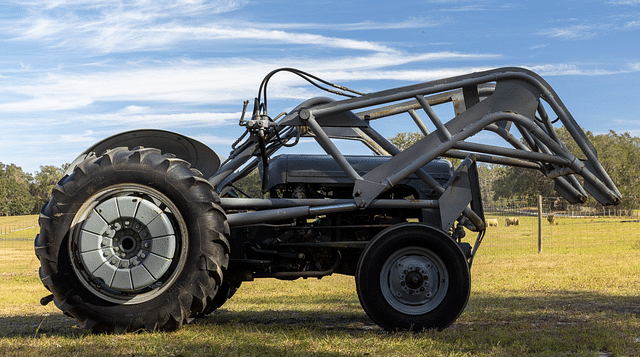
304 114
113 261
127 223
142 255
146 245
144 234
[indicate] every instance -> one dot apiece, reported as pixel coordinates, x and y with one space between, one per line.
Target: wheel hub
126 244
414 280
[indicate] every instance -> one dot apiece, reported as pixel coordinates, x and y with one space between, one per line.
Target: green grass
580 297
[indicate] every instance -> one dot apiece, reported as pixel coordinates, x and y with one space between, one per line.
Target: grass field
580 297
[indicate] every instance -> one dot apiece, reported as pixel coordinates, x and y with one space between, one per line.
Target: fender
199 155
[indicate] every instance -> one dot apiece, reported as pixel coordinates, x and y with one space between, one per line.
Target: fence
7 229
559 227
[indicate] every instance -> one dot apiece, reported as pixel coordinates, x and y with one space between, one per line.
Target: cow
512 221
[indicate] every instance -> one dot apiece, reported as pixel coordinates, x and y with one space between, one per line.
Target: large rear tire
132 240
413 277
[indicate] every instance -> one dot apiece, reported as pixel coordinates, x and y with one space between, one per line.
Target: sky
73 72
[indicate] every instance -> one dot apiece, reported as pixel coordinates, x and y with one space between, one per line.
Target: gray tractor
148 229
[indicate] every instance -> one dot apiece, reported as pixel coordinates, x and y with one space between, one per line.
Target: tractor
150 229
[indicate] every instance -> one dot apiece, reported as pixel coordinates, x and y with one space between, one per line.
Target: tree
404 140
15 198
43 182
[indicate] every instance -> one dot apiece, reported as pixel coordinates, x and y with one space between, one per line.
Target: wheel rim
128 243
414 280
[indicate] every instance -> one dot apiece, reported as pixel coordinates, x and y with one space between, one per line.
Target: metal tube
520 154
276 203
442 130
245 218
418 121
328 146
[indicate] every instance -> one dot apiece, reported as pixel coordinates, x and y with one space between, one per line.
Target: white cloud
570 32
635 23
86 137
571 69
103 28
154 120
624 2
209 81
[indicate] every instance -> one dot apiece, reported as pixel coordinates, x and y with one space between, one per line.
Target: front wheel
413 277
132 240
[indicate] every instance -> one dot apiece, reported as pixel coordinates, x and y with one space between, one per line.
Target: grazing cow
492 222
512 221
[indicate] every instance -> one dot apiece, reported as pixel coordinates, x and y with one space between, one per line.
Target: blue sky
75 71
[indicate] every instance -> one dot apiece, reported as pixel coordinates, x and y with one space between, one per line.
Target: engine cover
322 169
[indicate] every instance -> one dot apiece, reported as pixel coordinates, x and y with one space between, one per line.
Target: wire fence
11 229
521 227
515 228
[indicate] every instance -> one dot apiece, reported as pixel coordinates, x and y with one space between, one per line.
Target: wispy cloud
570 32
148 26
623 2
584 29
207 81
578 70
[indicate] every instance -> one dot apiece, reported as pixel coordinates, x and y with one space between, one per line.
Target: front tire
132 240
413 277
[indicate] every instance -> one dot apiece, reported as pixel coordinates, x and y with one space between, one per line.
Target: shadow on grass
52 324
538 311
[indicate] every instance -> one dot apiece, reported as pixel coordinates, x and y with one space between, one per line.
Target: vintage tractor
148 230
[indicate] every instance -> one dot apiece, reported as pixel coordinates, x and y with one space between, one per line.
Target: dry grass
564 302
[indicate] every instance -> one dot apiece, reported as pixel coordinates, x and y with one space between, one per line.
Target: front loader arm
509 102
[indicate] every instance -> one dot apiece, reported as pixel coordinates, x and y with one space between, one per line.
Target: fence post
539 224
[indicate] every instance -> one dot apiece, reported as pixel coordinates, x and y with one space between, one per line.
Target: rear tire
413 277
225 292
132 240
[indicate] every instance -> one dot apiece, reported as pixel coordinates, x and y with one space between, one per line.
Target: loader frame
496 100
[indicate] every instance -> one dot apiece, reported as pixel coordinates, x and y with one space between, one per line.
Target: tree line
23 193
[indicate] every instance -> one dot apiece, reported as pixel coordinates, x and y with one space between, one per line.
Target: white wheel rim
128 243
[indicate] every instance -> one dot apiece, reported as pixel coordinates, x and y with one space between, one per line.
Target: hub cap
414 280
128 243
